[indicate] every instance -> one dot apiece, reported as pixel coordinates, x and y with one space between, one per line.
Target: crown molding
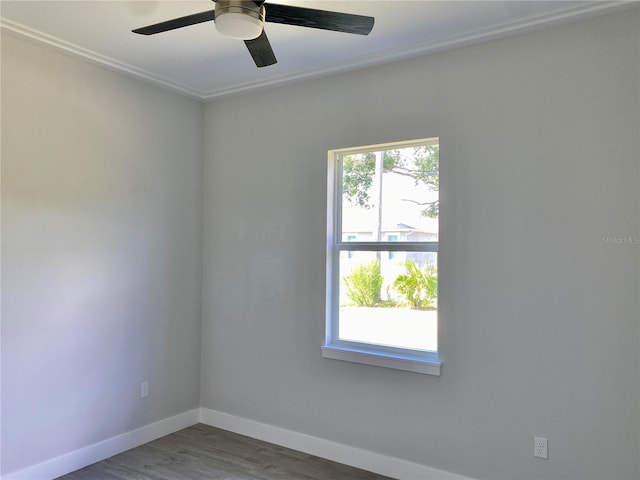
434 46
34 36
410 51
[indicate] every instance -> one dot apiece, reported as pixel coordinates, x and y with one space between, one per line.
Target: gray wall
102 231
539 306
101 250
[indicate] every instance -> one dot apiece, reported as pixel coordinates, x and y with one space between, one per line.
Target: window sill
425 366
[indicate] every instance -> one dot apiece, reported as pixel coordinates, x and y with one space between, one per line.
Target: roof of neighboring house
399 227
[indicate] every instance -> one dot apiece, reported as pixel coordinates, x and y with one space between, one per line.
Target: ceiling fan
244 20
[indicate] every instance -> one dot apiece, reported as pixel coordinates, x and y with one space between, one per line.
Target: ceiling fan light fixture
239 19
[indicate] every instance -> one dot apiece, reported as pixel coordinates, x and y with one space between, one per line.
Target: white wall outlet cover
540 447
144 389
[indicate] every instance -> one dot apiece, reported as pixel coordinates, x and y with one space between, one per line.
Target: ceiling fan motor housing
241 19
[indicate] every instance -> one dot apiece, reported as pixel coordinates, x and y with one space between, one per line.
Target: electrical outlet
144 389
540 447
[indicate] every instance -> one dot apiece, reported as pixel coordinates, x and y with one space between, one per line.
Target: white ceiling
200 62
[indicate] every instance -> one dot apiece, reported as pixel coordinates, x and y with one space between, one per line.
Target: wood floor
201 452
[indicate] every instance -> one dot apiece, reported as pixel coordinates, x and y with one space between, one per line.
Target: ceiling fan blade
323 19
176 23
261 51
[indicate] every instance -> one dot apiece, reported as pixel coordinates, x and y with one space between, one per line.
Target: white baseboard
355 457
80 458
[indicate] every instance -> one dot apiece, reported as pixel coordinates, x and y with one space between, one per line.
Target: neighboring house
400 232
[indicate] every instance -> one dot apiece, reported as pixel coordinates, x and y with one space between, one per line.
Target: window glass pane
389 301
391 195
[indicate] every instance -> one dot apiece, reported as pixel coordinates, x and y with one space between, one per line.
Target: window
351 238
382 269
392 238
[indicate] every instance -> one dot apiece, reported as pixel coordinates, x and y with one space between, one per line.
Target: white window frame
419 361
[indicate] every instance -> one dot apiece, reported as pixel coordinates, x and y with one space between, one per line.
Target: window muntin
382 254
